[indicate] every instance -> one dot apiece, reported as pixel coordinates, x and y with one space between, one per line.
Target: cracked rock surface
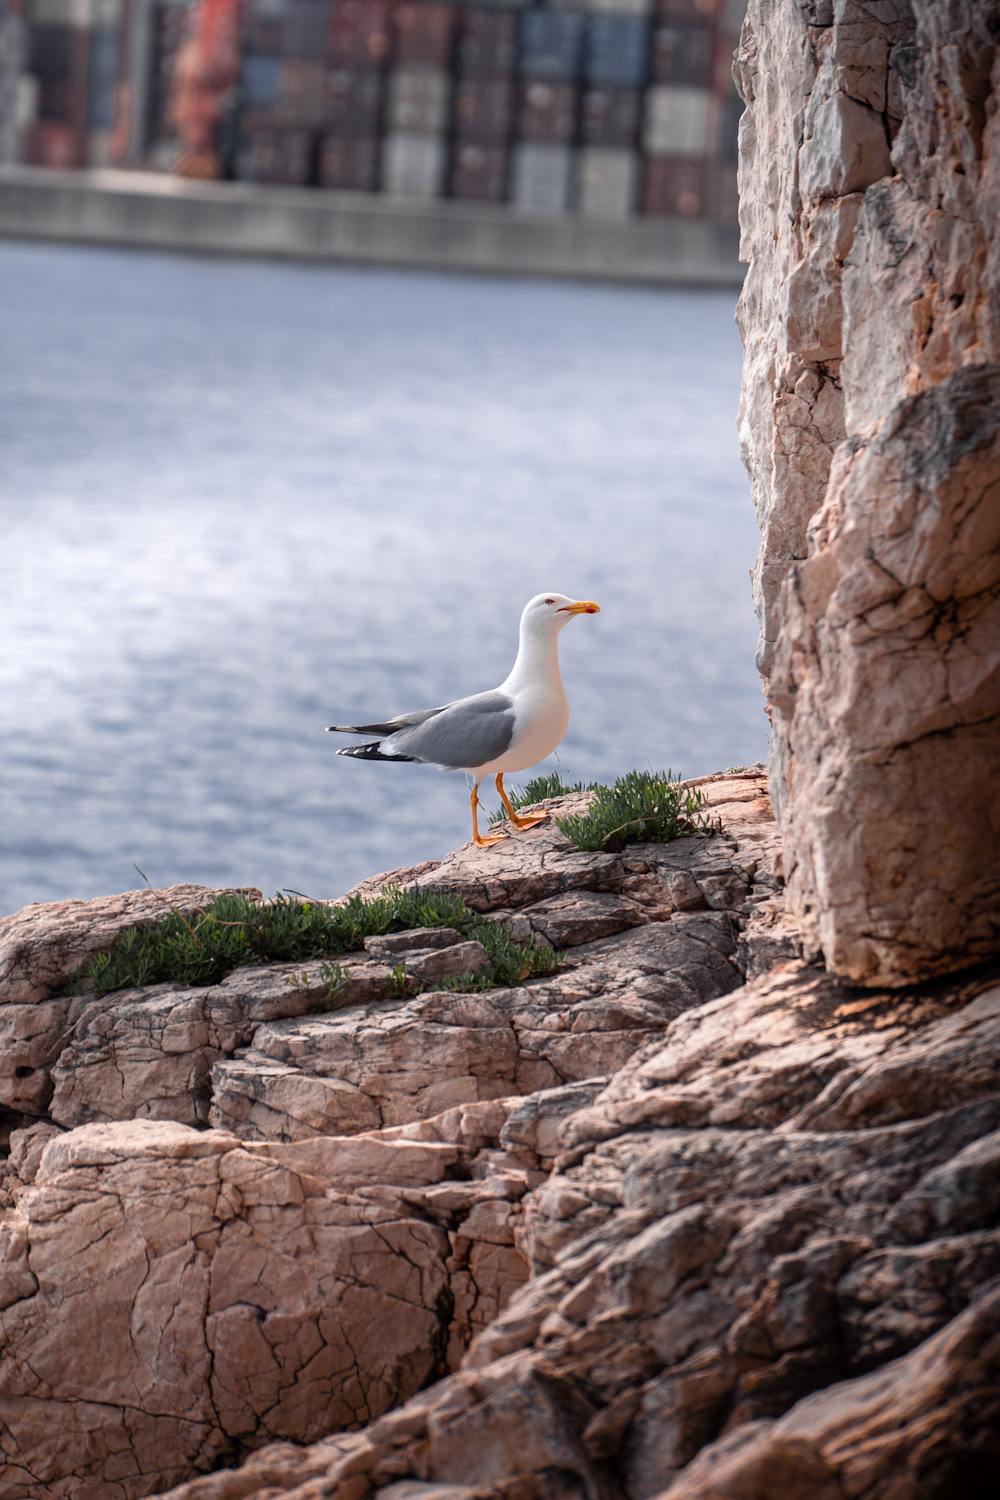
150 1053
782 1272
870 426
629 1228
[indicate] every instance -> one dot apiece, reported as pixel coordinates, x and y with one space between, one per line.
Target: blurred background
244 499
604 108
241 501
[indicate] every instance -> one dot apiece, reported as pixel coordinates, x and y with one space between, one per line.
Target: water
241 501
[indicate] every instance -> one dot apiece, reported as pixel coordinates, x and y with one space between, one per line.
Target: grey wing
469 733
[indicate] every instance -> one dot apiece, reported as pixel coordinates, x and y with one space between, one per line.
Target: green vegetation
233 931
641 806
336 978
537 790
512 962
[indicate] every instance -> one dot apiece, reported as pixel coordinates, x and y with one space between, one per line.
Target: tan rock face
219 1292
41 947
886 812
806 1202
171 1298
870 425
43 944
150 1054
394 1061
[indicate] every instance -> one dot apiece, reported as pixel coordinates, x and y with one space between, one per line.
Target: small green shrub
233 931
640 807
537 791
336 978
466 984
512 962
198 948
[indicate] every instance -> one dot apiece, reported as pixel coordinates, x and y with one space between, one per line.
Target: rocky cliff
870 189
688 1213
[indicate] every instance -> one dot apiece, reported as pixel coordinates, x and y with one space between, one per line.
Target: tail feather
372 751
361 728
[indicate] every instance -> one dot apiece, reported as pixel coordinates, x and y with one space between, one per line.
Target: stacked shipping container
603 107
60 71
606 108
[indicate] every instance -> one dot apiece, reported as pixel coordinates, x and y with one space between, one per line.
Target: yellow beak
581 607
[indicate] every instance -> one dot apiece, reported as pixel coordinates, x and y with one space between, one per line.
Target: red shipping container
361 36
350 162
674 186
610 117
479 172
684 54
484 110
281 156
548 112
353 102
425 34
488 44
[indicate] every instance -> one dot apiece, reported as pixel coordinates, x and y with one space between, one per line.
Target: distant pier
145 210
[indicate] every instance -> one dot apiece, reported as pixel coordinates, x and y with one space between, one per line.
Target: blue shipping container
550 45
102 78
263 81
617 52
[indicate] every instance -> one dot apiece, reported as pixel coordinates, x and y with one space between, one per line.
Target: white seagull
509 729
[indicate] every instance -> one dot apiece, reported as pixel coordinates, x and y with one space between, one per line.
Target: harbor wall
157 212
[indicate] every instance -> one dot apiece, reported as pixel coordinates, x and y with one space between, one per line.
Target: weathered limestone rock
42 945
171 1298
696 1280
149 1054
870 426
394 1061
924 1425
892 817
789 1188
26 1148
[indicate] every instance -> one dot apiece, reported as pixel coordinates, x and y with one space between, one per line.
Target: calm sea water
241 501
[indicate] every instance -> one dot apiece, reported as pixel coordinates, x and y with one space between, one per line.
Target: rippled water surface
241 500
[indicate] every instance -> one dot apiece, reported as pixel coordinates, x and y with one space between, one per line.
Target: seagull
509 729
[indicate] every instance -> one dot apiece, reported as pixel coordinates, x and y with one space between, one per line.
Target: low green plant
641 806
465 984
401 985
336 978
512 962
234 930
198 948
537 790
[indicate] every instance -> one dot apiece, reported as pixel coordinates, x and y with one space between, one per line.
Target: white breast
541 718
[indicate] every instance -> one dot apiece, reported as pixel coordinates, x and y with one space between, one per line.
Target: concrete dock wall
156 212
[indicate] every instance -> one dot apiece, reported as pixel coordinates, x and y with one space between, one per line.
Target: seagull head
548 613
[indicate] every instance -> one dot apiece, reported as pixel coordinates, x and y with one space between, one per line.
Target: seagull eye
550 601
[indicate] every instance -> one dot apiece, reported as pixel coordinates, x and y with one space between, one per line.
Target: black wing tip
371 751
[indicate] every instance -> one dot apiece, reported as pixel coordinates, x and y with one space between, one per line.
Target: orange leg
516 821
477 838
